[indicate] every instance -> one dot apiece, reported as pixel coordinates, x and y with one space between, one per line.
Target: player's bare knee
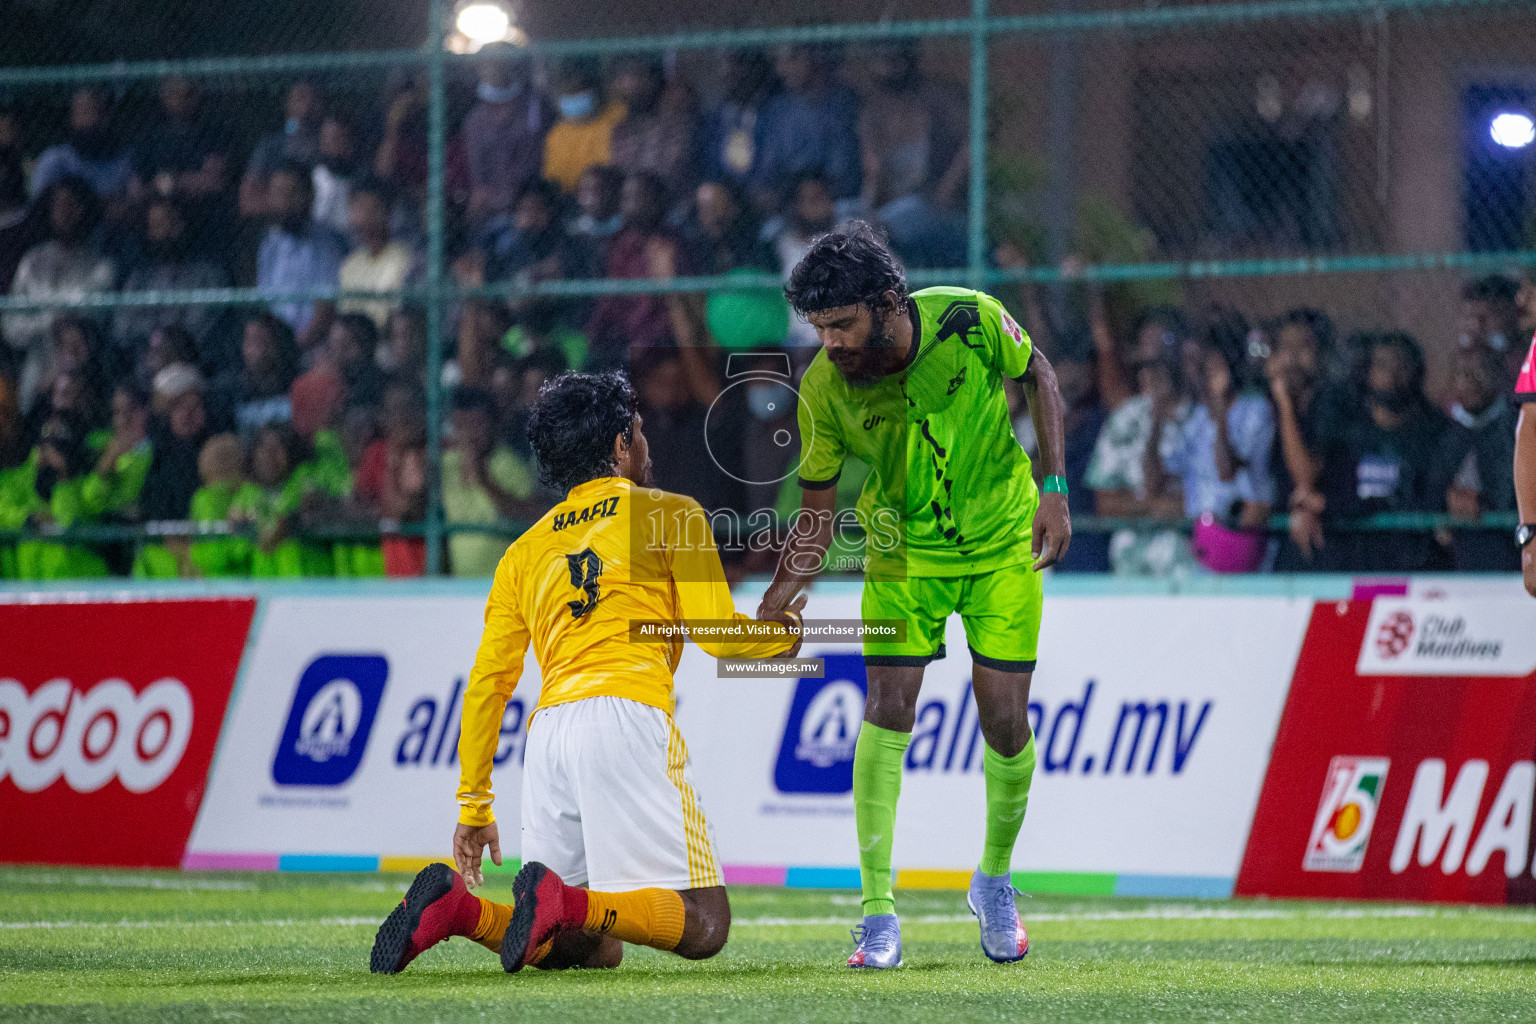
707 925
608 954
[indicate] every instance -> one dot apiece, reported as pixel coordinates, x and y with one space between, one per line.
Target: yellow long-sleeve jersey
611 554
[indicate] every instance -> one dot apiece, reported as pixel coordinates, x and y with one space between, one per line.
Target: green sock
876 787
1008 781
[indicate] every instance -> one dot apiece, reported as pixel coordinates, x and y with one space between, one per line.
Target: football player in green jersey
912 385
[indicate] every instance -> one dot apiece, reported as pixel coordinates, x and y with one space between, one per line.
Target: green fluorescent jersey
950 491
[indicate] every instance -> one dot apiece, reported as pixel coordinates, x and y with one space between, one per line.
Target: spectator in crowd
170 263
13 447
297 142
598 218
809 211
583 135
73 380
1386 458
403 355
346 376
10 133
255 393
659 134
123 466
336 168
813 124
529 245
91 151
1479 449
67 265
401 159
515 385
280 469
1117 470
185 156
1525 447
644 246
167 346
484 482
482 326
393 476
298 255
180 426
503 134
221 466
1490 315
19 229
1307 410
1221 451
913 137
378 262
539 327
722 234
49 489
730 129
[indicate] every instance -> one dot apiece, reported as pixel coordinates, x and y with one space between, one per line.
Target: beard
870 364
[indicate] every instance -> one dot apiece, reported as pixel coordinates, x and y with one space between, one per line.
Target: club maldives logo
1466 637
1346 814
1394 635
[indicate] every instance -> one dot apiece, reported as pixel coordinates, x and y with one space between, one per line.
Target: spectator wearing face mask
1478 451
299 254
169 263
91 151
503 134
583 135
1384 458
68 265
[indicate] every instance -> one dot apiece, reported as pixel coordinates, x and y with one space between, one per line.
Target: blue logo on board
816 751
330 719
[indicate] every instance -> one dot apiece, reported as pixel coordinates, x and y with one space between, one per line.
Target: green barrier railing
438 292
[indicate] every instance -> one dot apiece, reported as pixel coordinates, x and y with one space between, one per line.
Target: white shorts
608 800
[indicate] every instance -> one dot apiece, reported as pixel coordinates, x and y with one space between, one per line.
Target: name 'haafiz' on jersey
598 510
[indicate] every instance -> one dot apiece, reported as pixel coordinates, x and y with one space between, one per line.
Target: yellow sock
645 917
494 918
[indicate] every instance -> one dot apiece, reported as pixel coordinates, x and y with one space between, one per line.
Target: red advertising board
1403 766
109 716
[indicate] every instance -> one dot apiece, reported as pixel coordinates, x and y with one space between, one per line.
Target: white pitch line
1148 914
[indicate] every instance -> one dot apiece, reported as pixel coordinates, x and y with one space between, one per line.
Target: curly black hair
573 425
851 265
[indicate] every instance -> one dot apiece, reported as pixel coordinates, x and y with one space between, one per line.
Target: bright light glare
484 22
1513 130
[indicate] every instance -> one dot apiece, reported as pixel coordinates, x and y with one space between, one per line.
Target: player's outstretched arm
1053 523
810 534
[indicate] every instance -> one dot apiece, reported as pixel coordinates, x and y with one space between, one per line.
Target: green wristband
1055 485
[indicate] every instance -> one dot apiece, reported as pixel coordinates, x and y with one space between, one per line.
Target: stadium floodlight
484 21
1513 129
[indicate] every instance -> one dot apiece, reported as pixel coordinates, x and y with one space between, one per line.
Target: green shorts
1000 609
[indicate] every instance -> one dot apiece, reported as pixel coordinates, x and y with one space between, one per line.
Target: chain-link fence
351 249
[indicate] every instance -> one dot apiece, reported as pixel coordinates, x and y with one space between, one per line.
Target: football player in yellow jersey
614 844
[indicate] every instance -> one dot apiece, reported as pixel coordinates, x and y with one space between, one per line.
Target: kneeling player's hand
469 842
1052 530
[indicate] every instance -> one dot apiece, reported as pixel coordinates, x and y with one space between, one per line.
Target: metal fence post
436 146
976 250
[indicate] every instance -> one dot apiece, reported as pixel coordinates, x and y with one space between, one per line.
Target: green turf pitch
142 946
